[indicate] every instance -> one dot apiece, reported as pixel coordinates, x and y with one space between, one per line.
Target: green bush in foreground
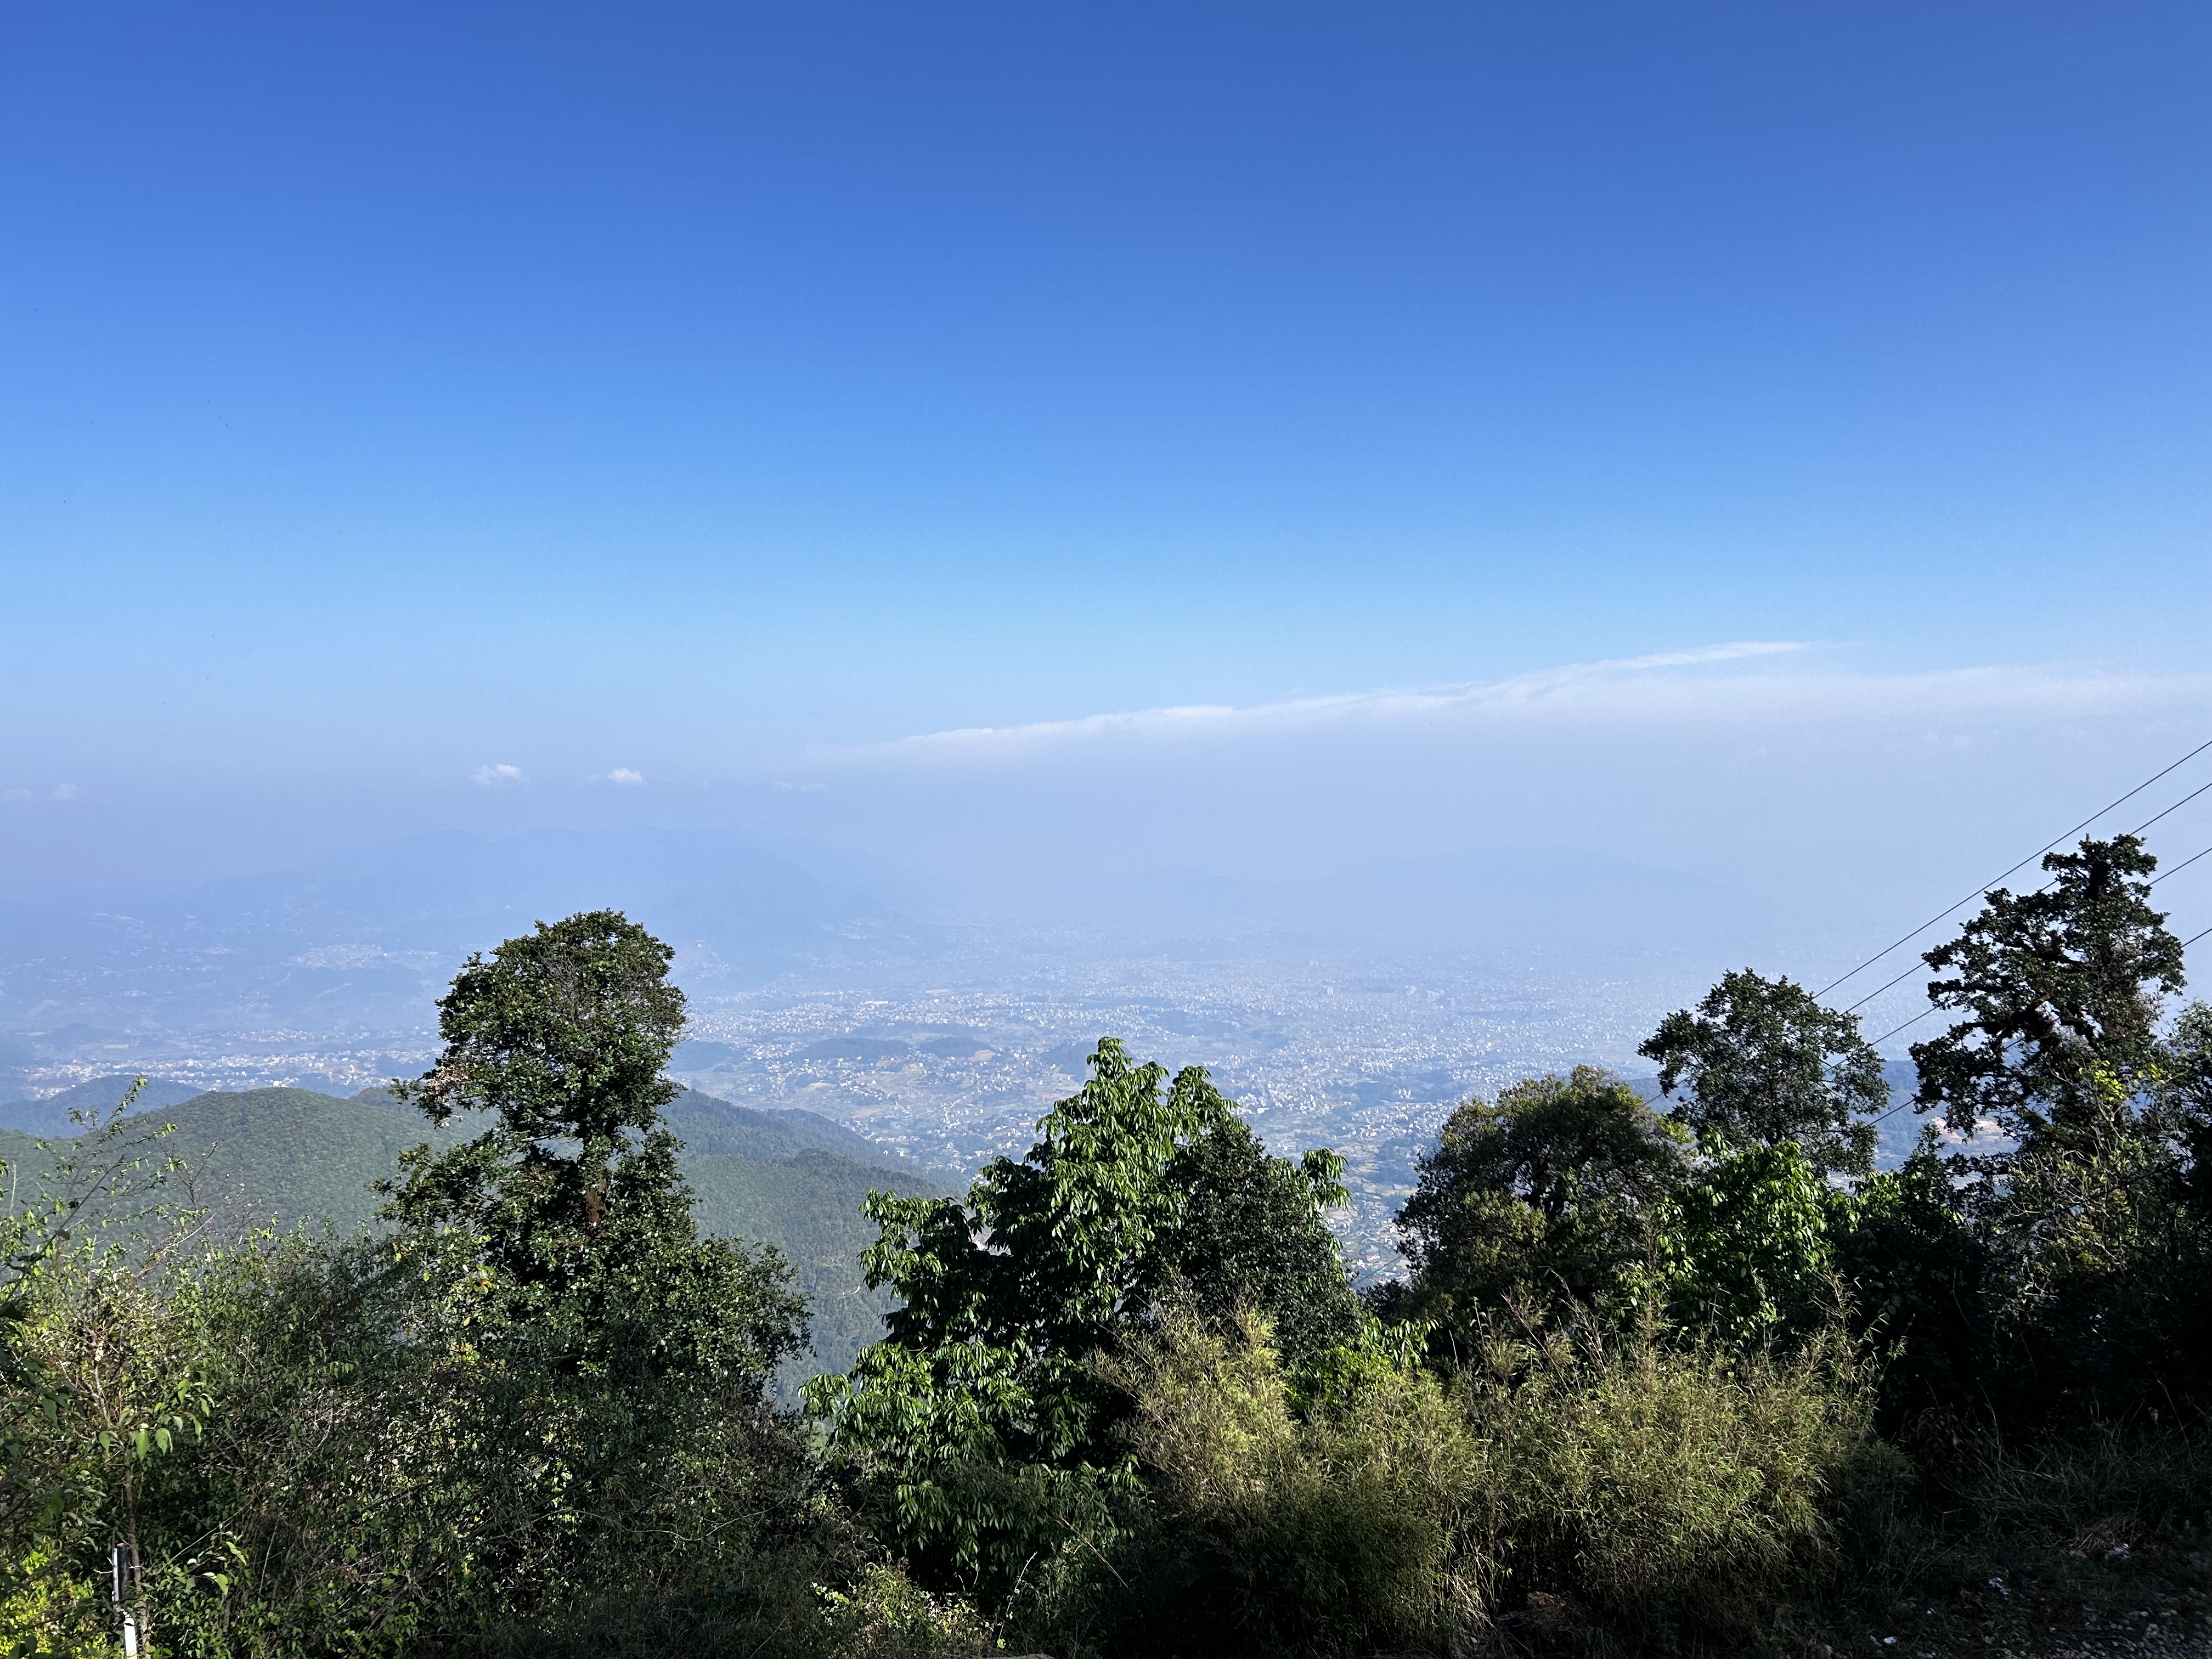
1386 1509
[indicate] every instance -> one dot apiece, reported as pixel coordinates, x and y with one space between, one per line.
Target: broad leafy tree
570 1196
982 1423
1251 1237
610 1349
1761 1063
1540 1199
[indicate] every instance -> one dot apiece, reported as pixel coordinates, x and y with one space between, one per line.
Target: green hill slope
289 1155
789 1179
809 1207
707 1123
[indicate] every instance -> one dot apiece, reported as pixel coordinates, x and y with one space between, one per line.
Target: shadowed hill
791 1179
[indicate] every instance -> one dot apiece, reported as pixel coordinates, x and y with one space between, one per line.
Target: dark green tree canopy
1049 1250
563 1032
570 1196
1251 1236
1764 1064
1543 1197
2060 990
2182 1105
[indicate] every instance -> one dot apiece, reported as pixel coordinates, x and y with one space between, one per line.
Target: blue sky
720 394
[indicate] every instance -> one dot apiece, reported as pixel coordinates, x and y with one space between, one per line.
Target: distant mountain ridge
94 1097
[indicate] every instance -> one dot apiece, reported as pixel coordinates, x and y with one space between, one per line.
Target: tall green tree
1763 1063
570 1196
2096 1267
604 1336
1543 1198
2060 992
1251 1239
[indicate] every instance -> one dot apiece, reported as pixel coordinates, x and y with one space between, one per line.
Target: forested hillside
1687 1371
287 1158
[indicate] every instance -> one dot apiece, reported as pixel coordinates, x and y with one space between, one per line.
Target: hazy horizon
1531 506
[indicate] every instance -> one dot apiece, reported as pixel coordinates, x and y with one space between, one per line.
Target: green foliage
1339 1529
562 1037
2181 1105
1914 1270
1648 1483
281 1156
1653 1480
1543 1200
533 1416
1766 1064
600 1329
95 1385
788 1179
885 1615
979 1425
811 1208
1251 1239
1743 1253
1124 1403
2096 1257
2060 990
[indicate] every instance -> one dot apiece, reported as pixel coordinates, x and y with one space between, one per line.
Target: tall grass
1630 1486
1658 1483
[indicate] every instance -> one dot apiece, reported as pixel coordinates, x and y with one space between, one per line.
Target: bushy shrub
885 1615
1336 1528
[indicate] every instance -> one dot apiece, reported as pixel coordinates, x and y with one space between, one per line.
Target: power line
1931 1008
2179 868
2154 882
1899 980
2022 865
1895 1030
2176 807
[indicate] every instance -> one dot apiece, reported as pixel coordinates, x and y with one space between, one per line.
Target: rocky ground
2123 1601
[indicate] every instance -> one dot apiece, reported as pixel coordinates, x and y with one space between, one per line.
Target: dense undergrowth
1697 1380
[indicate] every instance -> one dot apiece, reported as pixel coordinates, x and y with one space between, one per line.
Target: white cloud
497 774
623 775
59 792
1705 686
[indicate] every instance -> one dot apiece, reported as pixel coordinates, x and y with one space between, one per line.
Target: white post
125 1564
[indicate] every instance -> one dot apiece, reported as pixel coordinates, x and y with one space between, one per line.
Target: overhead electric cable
1871 995
2176 807
2022 865
2154 882
2179 868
